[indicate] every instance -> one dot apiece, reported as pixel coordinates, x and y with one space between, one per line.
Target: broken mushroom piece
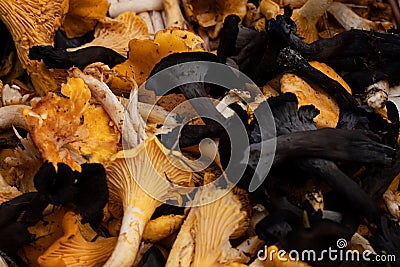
12 116
69 129
135 178
204 236
82 16
307 17
34 23
116 33
73 250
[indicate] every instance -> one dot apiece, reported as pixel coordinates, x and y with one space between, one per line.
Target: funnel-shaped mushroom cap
116 33
204 237
34 23
140 179
73 250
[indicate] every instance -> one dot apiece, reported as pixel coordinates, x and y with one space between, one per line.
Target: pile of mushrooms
92 170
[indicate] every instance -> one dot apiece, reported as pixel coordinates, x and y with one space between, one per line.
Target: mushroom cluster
110 156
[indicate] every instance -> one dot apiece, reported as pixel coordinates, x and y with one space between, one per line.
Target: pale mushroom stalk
138 178
112 106
349 19
12 116
157 20
146 17
293 3
34 23
119 6
307 17
173 14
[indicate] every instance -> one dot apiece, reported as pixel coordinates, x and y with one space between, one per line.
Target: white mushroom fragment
174 14
12 116
132 130
119 6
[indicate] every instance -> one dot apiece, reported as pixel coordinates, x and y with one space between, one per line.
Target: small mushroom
307 16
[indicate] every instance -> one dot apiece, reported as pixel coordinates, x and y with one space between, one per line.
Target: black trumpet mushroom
86 190
16 215
60 58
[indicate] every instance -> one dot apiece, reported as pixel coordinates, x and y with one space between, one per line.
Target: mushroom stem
146 17
157 20
12 116
349 19
173 14
133 224
119 6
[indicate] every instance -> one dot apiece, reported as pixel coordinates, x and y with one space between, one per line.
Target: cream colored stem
12 116
129 238
349 19
157 20
119 6
146 17
112 106
173 14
